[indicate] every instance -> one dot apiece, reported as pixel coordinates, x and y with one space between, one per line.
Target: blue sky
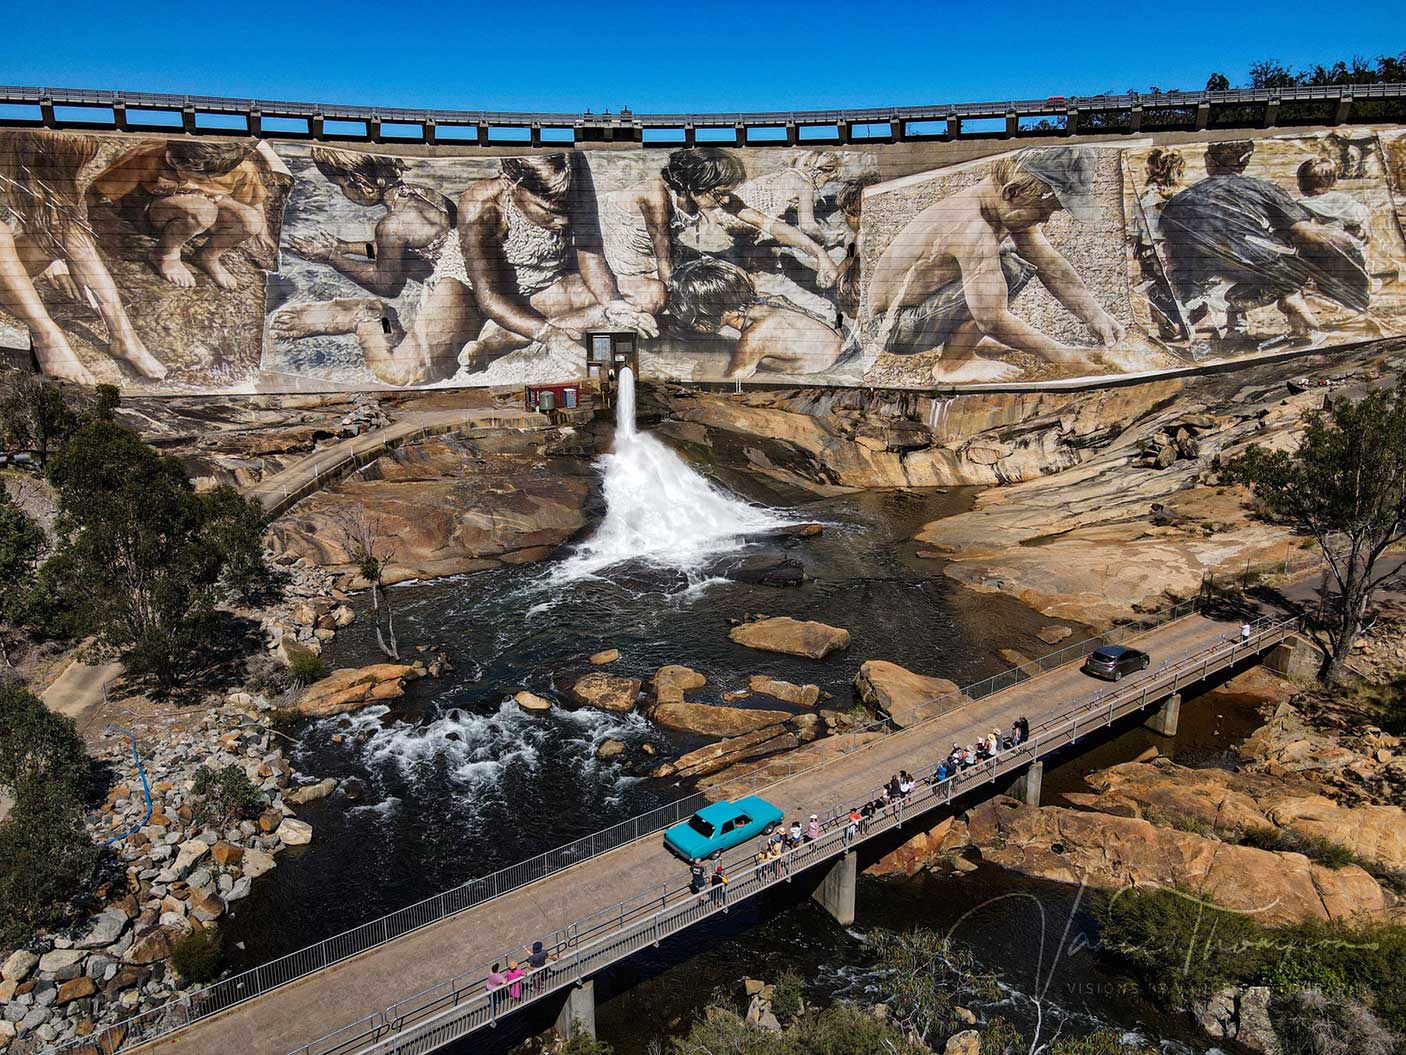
669 57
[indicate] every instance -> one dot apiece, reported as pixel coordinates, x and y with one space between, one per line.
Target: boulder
59 959
19 965
764 570
106 929
791 636
227 854
1053 634
714 757
609 748
800 695
294 832
707 719
671 682
600 659
256 863
343 616
530 701
155 944
312 792
353 688
967 1042
206 907
187 853
906 698
1110 852
75 989
606 692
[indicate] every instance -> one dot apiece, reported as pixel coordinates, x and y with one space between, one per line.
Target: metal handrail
1050 105
459 1005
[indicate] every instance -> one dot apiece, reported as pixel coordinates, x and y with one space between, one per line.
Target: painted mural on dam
203 264
1073 261
136 261
491 270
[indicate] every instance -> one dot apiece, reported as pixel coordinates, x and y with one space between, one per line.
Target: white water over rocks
658 508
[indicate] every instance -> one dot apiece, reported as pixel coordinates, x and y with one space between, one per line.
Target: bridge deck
318 1004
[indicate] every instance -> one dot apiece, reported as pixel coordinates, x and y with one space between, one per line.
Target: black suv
1111 662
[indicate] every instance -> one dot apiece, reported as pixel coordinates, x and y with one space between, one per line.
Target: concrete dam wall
199 264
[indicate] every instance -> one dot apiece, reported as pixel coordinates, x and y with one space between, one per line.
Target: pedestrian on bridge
1024 728
1016 738
514 976
493 985
697 877
813 828
1244 633
720 882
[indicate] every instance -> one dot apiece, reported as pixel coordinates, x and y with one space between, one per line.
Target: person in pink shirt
514 979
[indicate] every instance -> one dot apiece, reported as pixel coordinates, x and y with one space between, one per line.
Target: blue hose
146 788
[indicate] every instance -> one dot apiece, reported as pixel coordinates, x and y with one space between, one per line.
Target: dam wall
192 262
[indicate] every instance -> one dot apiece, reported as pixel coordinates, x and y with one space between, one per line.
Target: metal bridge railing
191 1007
463 1004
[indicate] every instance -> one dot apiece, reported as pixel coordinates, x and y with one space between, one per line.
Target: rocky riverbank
169 875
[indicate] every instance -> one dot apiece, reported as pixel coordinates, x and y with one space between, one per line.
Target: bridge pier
1163 721
1294 657
578 1013
1027 786
836 891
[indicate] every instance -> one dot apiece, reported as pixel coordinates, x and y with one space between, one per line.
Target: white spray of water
658 509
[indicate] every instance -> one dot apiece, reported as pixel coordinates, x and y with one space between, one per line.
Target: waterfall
658 508
937 413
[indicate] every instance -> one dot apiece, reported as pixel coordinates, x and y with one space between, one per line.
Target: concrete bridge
421 985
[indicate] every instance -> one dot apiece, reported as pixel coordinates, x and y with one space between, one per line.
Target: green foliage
928 977
235 526
196 956
307 668
582 1043
226 795
103 406
21 543
1315 847
34 415
999 1037
1345 485
839 1030
1099 1042
1183 948
787 997
38 747
1309 1022
142 558
46 857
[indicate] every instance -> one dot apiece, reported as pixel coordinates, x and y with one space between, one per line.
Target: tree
46 857
1217 82
1346 486
365 541
34 414
22 542
38 748
225 795
141 556
235 526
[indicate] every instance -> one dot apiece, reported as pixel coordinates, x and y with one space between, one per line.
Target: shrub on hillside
37 746
196 956
226 795
46 858
1308 1022
307 668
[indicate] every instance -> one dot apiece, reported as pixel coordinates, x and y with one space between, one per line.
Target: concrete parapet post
897 131
954 126
1012 124
481 132
1203 116
1271 114
1165 719
46 113
1071 121
315 127
1343 111
373 129
429 129
535 134
690 135
835 894
1135 120
188 120
842 128
578 1012
119 116
1027 786
793 134
254 123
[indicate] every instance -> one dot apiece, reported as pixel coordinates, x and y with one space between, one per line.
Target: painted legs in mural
182 217
18 297
83 274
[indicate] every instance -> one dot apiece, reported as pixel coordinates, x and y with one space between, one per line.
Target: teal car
720 826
